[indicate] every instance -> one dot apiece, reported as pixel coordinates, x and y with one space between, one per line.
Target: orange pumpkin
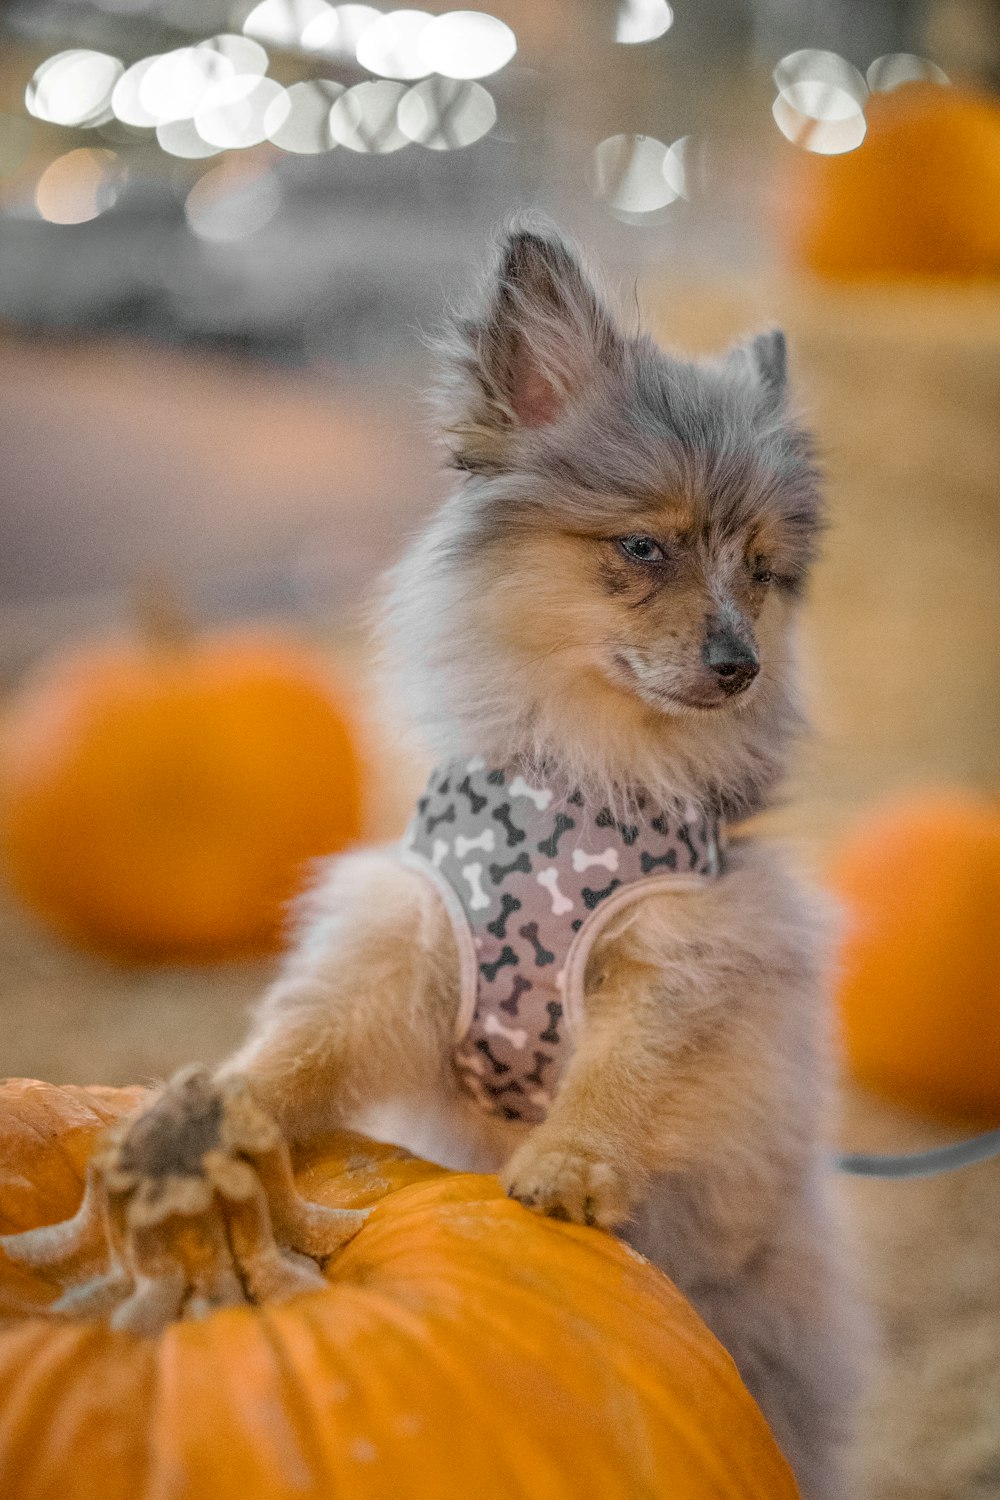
460 1347
160 799
920 984
920 197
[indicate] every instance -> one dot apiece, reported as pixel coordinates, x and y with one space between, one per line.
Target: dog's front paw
566 1184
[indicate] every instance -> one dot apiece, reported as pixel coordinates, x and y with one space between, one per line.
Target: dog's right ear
542 339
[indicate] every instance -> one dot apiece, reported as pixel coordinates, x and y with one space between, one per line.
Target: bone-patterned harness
529 874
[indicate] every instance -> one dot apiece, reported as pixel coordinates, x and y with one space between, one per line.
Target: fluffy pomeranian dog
596 634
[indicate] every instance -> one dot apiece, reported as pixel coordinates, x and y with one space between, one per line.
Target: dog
596 634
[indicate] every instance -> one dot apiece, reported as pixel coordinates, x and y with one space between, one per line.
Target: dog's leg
364 1010
592 1156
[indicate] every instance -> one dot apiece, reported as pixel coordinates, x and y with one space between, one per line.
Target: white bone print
486 841
473 874
583 861
539 796
439 851
475 764
549 878
517 1037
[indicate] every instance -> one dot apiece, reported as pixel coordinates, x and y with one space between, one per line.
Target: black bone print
491 970
661 823
483 1046
577 924
592 898
629 831
522 865
497 1089
684 835
476 802
513 1000
515 835
422 805
444 788
550 845
575 799
550 1034
649 861
542 1060
542 954
495 778
508 905
448 816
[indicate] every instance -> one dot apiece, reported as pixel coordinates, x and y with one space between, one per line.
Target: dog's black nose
734 663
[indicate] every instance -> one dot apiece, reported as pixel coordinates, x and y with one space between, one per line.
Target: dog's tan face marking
576 606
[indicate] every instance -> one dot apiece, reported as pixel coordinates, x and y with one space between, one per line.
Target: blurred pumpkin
920 980
461 1347
160 797
919 197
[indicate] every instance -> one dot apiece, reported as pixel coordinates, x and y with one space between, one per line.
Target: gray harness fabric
528 874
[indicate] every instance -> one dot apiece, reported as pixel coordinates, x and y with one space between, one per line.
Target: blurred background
226 232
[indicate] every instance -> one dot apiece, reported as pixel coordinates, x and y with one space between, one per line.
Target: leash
922 1163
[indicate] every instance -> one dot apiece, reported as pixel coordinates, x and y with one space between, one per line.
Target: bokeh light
820 103
125 101
231 202
79 186
811 79
392 45
365 118
336 32
177 82
246 55
301 122
826 137
642 21
181 138
283 22
677 167
629 174
467 44
74 88
445 114
238 111
896 68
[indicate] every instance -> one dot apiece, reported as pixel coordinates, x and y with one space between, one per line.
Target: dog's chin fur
470 693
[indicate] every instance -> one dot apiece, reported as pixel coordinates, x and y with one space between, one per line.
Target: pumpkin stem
190 1205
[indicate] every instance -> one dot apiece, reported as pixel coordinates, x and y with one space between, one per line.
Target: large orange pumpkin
920 985
161 798
461 1347
920 197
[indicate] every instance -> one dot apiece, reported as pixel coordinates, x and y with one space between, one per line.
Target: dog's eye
760 572
641 549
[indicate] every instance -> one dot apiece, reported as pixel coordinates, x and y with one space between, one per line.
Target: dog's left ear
765 359
543 337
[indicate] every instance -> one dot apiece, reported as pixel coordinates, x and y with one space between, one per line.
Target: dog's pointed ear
542 338
765 359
